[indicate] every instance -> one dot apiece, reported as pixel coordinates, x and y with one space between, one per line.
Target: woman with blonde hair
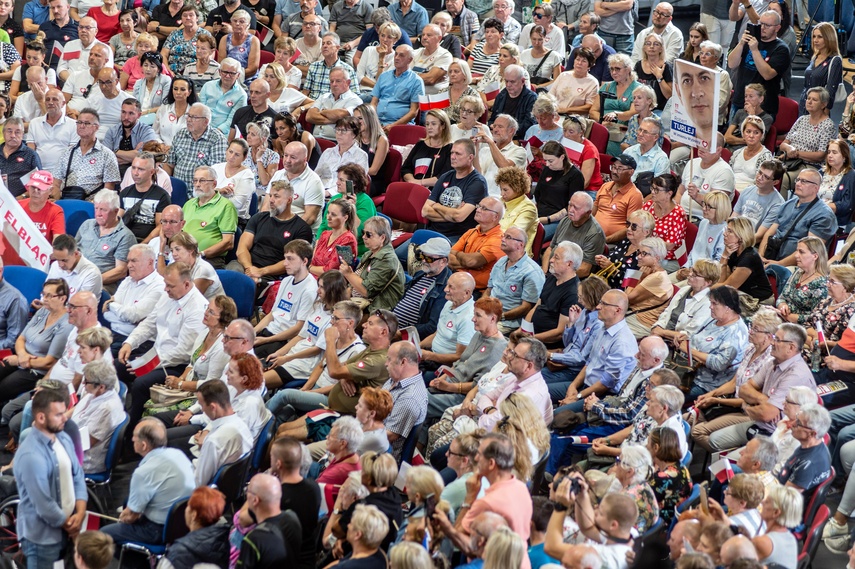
741 265
689 310
504 549
709 244
282 96
375 143
617 109
782 511
260 159
621 267
746 161
509 54
431 156
377 59
459 86
366 532
722 406
643 103
649 297
284 49
654 70
471 109
809 283
378 474
826 66
461 454
755 96
523 424
409 555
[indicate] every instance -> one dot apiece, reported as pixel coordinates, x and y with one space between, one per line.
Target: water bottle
815 357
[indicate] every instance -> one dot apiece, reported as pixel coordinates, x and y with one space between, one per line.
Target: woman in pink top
589 159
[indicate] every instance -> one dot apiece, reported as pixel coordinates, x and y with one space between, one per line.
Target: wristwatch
157 29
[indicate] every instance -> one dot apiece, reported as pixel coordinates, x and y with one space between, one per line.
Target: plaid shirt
187 154
624 411
318 78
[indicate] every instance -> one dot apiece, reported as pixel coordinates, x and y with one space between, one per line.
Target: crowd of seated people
533 383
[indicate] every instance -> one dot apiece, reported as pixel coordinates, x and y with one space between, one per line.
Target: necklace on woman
806 278
834 305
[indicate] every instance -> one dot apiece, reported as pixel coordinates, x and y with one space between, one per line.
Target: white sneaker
838 545
834 529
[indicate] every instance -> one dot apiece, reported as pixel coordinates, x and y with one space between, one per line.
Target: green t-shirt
208 223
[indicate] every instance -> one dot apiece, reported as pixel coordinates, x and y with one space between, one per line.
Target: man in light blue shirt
612 356
50 482
648 155
396 93
761 202
163 476
410 16
224 96
36 13
515 279
455 327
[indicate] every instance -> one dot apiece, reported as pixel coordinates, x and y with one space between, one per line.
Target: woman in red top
341 219
670 217
589 161
107 18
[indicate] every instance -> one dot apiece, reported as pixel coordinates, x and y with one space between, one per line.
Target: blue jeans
549 231
562 451
558 381
782 274
41 556
576 406
402 251
143 531
621 43
288 404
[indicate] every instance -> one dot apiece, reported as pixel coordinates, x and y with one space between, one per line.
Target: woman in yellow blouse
520 211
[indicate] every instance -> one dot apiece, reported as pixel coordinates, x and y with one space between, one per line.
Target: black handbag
76 192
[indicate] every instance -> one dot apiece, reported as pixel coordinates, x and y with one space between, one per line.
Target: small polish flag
71 55
578 440
422 165
237 132
631 278
57 49
146 363
321 414
72 395
820 331
682 254
534 142
92 522
264 34
296 55
722 470
492 90
574 149
430 102
692 415
329 492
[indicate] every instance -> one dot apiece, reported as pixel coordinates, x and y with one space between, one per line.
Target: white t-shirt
719 176
243 185
289 100
308 190
293 303
315 325
422 63
202 269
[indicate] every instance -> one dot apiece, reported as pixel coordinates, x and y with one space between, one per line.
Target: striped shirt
480 61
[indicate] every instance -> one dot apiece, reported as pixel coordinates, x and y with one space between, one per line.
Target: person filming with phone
760 57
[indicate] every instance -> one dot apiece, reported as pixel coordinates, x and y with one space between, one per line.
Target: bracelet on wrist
558 507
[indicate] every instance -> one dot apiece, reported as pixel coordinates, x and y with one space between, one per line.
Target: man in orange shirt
479 248
47 216
617 199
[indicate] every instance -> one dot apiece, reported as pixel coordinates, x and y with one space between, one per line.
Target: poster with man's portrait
694 119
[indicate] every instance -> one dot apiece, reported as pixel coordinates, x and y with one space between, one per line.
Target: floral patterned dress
834 321
648 507
628 262
803 299
670 486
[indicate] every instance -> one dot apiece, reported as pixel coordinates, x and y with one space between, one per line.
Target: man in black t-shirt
763 61
560 292
276 541
450 209
143 201
810 464
259 251
257 111
299 495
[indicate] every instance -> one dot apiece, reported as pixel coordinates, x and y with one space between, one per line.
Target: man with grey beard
259 251
210 217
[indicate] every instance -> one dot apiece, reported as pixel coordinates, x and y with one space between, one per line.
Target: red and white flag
722 470
820 331
72 395
57 49
94 522
296 55
321 414
264 34
71 55
422 165
329 493
574 149
534 142
491 91
631 278
577 440
146 363
682 254
431 102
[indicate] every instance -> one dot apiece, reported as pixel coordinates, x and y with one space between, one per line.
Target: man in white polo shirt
49 135
75 54
69 263
308 188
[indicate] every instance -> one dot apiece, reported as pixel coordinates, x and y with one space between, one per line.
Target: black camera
575 487
754 30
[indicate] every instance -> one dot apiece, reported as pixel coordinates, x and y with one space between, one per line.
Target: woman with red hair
208 540
245 374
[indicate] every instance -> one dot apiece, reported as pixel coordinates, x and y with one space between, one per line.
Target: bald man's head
737 547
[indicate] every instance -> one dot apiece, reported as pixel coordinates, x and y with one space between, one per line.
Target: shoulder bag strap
70 158
542 61
798 219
